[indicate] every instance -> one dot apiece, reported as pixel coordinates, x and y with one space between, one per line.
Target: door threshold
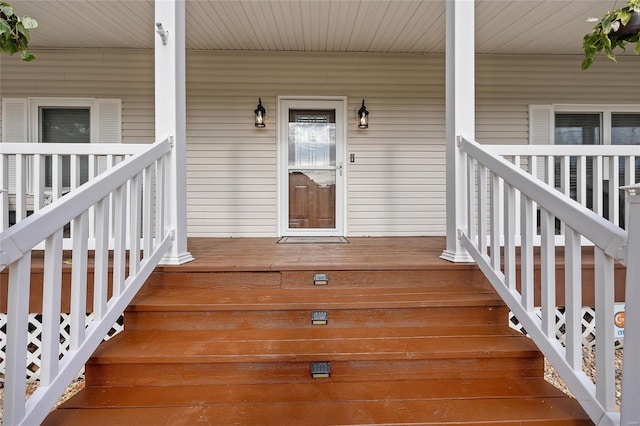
313 240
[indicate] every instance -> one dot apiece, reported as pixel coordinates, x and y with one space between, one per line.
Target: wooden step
187 319
248 356
416 402
153 396
320 298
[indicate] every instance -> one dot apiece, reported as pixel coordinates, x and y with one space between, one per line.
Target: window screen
65 125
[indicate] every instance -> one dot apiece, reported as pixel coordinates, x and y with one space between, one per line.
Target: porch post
170 107
460 116
629 408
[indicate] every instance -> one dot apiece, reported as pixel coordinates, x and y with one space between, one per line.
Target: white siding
396 185
94 73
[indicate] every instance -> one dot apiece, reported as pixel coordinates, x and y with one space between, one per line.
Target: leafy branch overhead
14 32
616 29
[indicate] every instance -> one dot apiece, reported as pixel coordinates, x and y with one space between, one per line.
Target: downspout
460 117
170 117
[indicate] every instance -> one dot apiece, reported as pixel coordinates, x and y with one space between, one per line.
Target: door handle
339 167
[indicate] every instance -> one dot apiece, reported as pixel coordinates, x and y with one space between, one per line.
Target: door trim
339 103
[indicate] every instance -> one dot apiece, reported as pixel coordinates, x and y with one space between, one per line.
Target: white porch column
460 116
170 107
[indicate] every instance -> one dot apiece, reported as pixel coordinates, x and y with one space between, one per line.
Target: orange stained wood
228 339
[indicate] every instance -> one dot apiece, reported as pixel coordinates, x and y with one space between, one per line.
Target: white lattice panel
34 340
588 325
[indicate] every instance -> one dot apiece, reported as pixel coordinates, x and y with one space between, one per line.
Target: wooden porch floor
265 254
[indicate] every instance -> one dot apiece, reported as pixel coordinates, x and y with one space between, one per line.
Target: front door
312 175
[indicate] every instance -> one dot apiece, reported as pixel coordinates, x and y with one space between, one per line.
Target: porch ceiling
405 26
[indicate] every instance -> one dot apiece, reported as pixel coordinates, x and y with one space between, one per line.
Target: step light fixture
260 113
319 317
320 279
363 117
320 370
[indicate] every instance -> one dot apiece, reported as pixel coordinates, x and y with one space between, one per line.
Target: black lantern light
363 117
260 114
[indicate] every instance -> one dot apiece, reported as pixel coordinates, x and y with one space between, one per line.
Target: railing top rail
26 234
601 232
30 148
564 150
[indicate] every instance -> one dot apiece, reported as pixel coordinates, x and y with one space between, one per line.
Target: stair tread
543 411
320 298
310 345
149 396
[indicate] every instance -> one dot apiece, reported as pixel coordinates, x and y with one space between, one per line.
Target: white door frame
339 103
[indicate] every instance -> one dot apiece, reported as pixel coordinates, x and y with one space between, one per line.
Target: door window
312 169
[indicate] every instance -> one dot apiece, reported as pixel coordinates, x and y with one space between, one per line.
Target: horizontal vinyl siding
395 186
91 73
507 85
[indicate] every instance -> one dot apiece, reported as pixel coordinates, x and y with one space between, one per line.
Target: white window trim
34 114
311 102
606 110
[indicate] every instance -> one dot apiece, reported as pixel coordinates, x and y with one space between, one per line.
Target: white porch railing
32 175
592 175
128 203
492 185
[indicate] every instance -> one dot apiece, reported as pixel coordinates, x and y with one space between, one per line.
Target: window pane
577 129
65 125
625 130
312 138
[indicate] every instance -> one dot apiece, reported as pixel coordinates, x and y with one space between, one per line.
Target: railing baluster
56 177
471 197
526 253
548 273
161 199
598 187
38 182
581 179
629 179
51 301
101 269
147 220
4 191
21 187
573 298
509 237
614 196
16 347
134 234
79 262
495 221
605 347
482 209
119 235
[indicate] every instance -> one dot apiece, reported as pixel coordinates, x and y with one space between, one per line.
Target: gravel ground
549 374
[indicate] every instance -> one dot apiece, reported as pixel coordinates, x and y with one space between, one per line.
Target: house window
587 125
65 125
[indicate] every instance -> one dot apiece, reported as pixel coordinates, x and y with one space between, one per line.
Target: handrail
30 148
119 197
493 185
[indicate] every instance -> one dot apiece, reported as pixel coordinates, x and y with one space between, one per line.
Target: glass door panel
312 169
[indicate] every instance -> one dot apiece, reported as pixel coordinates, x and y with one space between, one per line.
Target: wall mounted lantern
260 113
363 117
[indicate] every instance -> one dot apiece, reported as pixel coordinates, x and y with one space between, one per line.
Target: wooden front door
313 169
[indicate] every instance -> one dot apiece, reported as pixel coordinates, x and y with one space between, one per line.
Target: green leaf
27 56
637 49
6 9
29 23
